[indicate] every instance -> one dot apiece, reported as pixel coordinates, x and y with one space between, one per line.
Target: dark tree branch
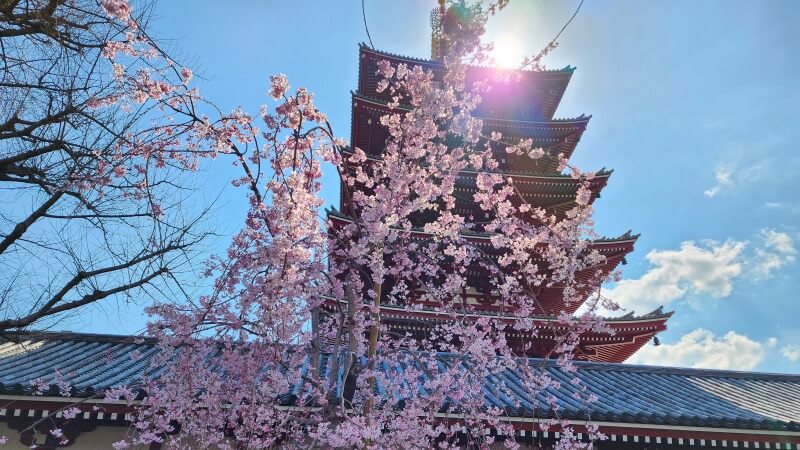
23 226
49 309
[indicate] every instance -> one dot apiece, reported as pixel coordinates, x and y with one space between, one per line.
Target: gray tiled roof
627 393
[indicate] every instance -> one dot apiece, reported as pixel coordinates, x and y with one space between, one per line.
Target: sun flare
507 52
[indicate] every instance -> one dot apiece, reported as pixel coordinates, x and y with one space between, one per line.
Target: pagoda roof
364 48
625 337
553 192
566 182
553 135
562 124
514 93
551 298
604 243
578 121
618 323
631 315
667 402
520 175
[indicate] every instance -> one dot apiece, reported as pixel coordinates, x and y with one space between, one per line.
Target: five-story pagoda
520 107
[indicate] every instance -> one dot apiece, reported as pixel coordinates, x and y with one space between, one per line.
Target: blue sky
694 106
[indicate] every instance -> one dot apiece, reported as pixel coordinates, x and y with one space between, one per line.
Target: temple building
638 407
520 107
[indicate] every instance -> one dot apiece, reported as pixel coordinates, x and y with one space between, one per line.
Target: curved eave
396 58
531 179
600 177
543 321
568 123
604 244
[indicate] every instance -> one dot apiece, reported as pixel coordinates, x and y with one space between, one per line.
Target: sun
507 52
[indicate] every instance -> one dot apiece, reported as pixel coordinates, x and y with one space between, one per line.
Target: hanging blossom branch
261 360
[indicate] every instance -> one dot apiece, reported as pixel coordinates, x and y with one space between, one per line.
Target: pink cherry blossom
279 84
71 412
119 9
186 75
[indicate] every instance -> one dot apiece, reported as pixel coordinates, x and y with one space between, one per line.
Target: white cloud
703 349
777 251
791 352
779 241
708 269
723 175
783 207
768 161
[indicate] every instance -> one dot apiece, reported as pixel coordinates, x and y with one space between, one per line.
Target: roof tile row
626 393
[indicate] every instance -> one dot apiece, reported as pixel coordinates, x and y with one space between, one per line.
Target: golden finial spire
437 32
